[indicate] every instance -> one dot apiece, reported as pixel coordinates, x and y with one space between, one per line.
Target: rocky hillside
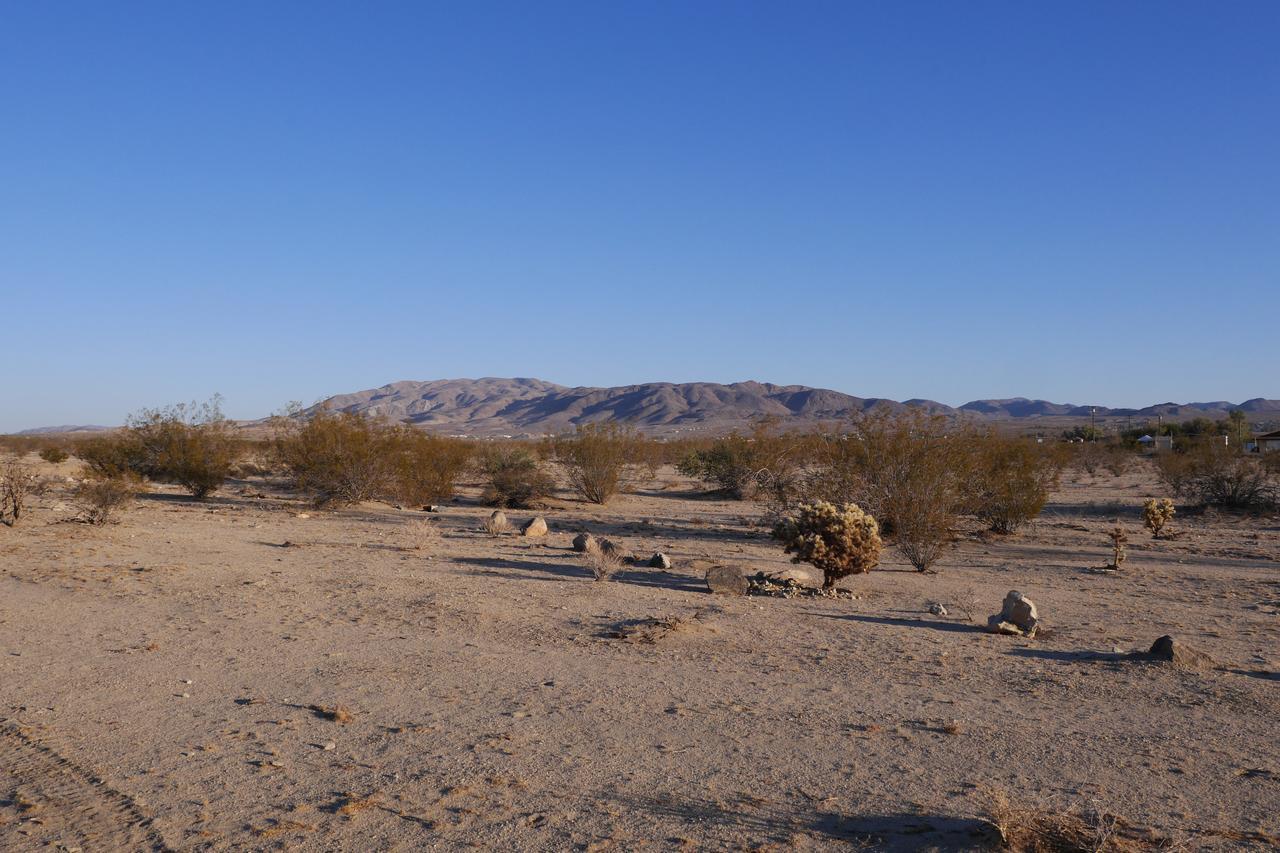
533 406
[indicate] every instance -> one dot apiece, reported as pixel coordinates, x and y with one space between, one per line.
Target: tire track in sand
48 801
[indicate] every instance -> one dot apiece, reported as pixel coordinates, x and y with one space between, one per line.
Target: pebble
330 746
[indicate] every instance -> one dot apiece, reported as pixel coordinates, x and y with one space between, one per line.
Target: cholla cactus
840 541
1118 540
1156 514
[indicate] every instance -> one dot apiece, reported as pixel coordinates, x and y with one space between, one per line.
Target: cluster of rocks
584 542
536 526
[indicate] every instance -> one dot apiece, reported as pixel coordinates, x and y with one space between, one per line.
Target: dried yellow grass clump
840 541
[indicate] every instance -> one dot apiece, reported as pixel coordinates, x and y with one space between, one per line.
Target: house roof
1273 436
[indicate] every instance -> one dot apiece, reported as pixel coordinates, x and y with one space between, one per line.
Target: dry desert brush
17 483
597 458
425 468
604 559
1032 828
1210 473
1011 481
838 540
337 457
514 477
192 445
100 499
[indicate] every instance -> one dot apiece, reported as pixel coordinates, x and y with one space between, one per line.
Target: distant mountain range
493 407
533 406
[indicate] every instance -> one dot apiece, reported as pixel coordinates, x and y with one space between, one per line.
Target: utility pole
1093 432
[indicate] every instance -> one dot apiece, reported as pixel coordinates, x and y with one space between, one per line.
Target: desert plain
249 672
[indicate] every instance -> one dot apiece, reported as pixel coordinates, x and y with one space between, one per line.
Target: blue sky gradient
1075 201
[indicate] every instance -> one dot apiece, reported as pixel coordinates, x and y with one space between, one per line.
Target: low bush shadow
781 822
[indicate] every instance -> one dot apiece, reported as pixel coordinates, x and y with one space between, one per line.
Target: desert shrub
597 458
1213 474
336 457
425 468
923 531
604 559
191 445
1011 479
421 535
892 464
101 499
112 455
514 477
54 454
1033 828
909 469
840 541
764 463
1156 515
17 483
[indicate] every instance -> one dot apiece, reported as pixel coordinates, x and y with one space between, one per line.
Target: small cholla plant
1156 515
1118 540
839 540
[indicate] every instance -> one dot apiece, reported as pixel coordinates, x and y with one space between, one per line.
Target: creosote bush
763 464
191 445
840 541
426 467
101 499
1211 473
337 457
514 477
54 454
1011 481
597 458
1156 515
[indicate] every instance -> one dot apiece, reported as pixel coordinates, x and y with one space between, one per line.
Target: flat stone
726 580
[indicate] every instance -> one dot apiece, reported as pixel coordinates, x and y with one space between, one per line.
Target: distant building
1268 442
1155 444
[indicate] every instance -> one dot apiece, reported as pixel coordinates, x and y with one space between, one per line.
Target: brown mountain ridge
494 406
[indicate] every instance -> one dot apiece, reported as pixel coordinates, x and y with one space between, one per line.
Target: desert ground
253 673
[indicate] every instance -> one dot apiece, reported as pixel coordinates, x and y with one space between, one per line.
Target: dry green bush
191 445
18 482
111 455
426 468
840 541
908 469
764 464
597 458
100 499
54 454
337 457
1213 474
1156 515
514 477
1011 479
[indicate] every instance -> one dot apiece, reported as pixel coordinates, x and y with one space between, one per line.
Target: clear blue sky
277 201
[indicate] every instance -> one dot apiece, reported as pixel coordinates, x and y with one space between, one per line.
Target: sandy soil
158 678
